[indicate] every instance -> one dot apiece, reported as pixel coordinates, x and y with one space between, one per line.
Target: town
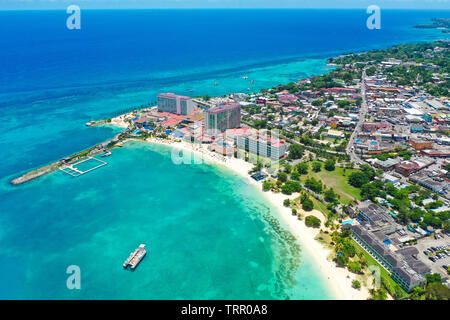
366 144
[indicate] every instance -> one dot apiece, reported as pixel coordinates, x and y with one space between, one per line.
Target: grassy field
337 180
322 207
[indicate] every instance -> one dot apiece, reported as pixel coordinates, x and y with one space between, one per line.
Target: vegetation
302 168
420 74
312 221
316 166
313 185
329 165
295 151
290 187
356 284
337 180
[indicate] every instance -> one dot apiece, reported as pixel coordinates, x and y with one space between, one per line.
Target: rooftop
171 95
221 108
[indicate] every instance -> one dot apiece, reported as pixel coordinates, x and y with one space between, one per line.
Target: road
362 115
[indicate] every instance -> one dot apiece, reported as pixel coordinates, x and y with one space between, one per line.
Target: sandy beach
338 279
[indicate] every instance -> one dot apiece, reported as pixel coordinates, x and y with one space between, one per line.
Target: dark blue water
53 80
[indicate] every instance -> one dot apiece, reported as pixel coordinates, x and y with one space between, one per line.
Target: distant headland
438 23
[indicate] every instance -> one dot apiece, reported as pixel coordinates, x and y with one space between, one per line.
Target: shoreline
335 277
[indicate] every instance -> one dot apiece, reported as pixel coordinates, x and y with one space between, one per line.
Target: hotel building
172 103
262 145
223 117
396 264
380 236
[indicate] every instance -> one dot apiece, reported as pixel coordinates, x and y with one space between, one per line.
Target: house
419 145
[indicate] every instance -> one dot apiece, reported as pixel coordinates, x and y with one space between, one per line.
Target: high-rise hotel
172 103
259 143
223 117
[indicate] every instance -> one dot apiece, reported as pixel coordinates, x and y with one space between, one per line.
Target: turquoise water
209 234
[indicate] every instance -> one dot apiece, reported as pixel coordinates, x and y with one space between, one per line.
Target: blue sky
117 4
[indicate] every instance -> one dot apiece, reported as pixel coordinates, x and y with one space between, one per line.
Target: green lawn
322 207
336 179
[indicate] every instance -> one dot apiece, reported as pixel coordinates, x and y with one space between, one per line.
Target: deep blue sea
210 235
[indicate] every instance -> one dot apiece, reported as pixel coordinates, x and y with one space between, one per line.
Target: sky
180 4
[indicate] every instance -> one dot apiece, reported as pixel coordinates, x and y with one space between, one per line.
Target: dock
75 172
135 257
107 153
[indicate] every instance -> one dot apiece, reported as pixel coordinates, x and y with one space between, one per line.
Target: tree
329 195
433 278
354 266
356 284
379 294
312 221
316 166
295 175
307 205
302 168
287 168
345 246
290 187
313 185
368 170
295 151
358 178
341 260
286 202
257 167
370 191
329 165
282 176
417 293
437 291
267 185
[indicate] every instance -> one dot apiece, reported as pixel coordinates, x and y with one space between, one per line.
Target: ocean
210 235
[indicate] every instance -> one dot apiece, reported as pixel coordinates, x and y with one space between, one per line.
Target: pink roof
171 95
170 122
170 115
225 107
238 131
287 97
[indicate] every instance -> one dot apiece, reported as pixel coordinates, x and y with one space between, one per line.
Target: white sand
120 121
338 279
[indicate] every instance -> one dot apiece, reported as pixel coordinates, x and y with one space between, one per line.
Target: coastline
339 280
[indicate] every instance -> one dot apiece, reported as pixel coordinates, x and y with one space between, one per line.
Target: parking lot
426 244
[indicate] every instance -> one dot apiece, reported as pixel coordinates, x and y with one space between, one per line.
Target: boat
245 78
135 257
